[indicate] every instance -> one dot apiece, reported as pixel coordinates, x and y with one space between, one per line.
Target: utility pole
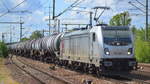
21 23
58 26
66 28
49 20
53 9
10 34
3 37
91 19
43 33
147 37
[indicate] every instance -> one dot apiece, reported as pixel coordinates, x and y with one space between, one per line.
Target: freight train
96 50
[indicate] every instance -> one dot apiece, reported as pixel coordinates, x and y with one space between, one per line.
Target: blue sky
39 8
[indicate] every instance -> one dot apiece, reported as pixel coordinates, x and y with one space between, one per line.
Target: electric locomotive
101 48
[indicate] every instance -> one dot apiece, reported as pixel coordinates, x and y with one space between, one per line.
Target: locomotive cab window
94 37
117 37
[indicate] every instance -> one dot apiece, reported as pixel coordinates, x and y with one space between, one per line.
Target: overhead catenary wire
135 14
76 3
146 12
13 8
140 3
136 6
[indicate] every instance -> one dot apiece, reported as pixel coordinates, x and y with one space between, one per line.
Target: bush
142 51
3 50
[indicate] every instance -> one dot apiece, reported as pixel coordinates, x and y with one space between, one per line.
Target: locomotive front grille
117 64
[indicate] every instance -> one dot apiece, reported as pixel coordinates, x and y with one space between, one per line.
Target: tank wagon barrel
49 43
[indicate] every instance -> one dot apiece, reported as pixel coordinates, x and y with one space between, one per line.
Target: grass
5 77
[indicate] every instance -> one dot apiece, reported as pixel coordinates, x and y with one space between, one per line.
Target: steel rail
46 73
21 68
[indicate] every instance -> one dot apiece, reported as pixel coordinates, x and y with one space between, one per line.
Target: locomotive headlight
129 51
107 53
106 50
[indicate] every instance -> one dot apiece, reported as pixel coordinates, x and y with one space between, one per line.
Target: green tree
36 35
24 39
3 50
121 19
142 47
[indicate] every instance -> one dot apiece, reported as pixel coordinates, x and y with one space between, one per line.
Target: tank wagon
98 49
43 49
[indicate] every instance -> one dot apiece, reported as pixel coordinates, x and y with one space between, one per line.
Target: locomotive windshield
117 37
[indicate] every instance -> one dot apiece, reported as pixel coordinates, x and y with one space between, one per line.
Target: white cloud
38 12
45 18
92 3
104 2
73 21
117 6
30 18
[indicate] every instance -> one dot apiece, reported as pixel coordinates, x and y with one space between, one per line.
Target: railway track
117 80
134 78
37 74
21 68
113 80
144 68
144 65
137 76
